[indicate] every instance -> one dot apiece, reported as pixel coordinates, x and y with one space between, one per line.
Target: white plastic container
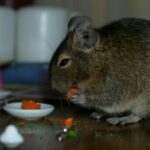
39 32
7 34
11 137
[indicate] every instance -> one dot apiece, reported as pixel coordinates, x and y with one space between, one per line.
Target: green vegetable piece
72 134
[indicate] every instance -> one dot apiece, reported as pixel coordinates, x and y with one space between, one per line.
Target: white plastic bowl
15 110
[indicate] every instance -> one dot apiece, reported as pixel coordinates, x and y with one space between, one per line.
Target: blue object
26 74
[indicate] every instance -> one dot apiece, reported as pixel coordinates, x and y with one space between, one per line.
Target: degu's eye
65 62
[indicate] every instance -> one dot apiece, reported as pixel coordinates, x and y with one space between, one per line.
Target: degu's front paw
78 98
75 96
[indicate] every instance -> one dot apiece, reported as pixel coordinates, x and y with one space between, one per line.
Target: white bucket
39 32
7 34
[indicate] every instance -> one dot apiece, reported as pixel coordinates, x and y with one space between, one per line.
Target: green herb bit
31 126
72 134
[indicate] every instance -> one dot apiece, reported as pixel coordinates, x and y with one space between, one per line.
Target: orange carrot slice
71 92
30 104
69 122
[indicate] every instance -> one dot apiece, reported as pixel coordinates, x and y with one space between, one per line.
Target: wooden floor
86 134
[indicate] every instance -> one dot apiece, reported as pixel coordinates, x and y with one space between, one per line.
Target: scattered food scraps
70 134
65 131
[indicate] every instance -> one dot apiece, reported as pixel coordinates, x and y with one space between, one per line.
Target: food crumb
22 124
69 122
98 134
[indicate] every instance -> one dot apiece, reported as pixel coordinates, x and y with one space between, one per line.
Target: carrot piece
29 104
71 92
69 122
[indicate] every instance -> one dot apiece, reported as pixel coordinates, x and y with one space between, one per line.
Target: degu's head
72 61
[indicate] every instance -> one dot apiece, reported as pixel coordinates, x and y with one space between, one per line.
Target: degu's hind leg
139 110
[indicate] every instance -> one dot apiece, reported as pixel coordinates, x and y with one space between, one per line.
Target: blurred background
31 30
103 11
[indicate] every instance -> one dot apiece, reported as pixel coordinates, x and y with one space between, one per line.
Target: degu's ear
86 35
79 23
